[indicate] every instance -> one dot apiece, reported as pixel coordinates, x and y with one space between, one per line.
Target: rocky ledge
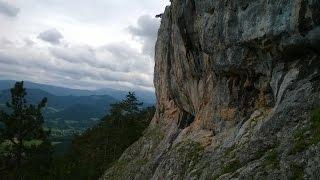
238 87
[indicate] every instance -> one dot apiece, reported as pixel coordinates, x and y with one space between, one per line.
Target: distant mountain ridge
66 108
145 96
60 102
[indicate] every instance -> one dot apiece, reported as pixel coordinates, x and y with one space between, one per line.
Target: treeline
95 151
90 154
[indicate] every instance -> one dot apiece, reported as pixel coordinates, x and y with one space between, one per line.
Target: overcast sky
85 44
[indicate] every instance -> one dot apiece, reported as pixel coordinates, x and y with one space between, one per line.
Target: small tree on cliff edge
126 110
26 148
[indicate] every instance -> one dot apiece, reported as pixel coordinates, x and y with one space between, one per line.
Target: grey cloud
8 9
115 57
52 36
29 42
67 65
4 43
77 54
121 50
83 55
128 59
146 31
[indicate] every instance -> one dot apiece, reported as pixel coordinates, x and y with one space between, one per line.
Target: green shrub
191 152
299 146
272 157
297 172
315 119
315 125
301 142
231 167
229 151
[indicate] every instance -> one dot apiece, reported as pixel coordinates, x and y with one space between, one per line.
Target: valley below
69 112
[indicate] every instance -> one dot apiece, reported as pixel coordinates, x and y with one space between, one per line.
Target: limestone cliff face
236 83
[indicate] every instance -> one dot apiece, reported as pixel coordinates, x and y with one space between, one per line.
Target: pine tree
126 110
26 147
131 104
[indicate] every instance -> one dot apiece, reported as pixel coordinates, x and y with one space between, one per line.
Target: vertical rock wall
236 81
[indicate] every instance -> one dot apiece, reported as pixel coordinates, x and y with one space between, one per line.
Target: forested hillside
94 151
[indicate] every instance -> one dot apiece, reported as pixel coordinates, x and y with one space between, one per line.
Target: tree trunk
19 158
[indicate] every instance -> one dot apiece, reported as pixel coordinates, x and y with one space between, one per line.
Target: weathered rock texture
236 83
